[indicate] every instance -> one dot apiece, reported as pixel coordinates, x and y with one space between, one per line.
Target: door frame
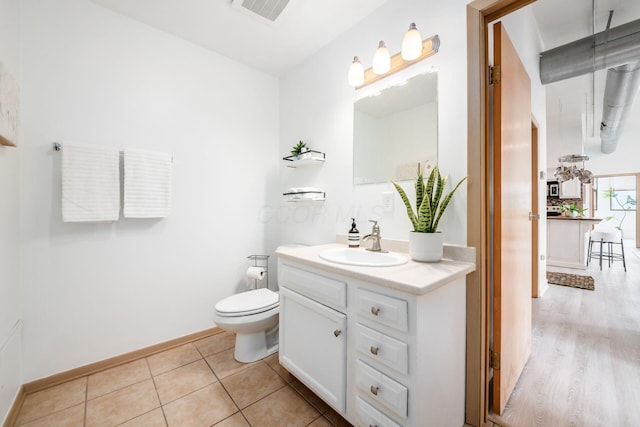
535 211
479 14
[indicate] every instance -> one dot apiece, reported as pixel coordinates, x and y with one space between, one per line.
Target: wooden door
511 226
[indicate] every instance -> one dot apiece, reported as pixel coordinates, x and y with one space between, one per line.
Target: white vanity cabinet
378 355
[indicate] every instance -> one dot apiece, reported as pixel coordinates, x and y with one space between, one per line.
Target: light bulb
356 73
411 44
381 59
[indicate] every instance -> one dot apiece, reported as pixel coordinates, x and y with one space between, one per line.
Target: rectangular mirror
396 130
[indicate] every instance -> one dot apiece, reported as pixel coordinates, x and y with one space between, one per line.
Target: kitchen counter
578 218
416 278
567 240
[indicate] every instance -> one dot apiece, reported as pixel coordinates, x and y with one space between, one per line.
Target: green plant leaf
405 199
442 182
425 216
435 174
445 203
419 185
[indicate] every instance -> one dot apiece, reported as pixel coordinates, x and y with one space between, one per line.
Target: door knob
375 310
337 332
374 390
374 350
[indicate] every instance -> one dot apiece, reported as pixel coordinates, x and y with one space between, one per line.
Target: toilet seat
248 303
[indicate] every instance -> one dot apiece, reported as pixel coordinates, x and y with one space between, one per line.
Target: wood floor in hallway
584 369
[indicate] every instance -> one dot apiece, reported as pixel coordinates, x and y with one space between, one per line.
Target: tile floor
197 384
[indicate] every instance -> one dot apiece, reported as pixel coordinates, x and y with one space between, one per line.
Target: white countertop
416 278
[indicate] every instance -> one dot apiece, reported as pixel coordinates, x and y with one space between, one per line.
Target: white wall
523 32
10 301
316 105
623 160
92 291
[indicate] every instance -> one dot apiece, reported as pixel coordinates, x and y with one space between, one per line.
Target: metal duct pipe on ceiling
617 49
619 94
607 49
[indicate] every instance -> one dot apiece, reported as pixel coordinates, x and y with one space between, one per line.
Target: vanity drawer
319 288
386 350
382 389
383 309
367 415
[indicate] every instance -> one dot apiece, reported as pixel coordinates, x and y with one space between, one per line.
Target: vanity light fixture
381 59
384 65
411 43
356 73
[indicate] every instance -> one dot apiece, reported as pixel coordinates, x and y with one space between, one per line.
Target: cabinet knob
374 350
374 390
375 310
337 332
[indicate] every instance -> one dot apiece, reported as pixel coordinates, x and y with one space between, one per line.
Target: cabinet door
571 189
313 340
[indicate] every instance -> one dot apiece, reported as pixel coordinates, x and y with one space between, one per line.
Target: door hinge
494 74
495 360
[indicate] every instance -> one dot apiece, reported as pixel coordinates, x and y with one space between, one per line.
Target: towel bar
58 146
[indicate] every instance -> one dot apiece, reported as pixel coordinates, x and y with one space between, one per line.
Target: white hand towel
90 183
147 184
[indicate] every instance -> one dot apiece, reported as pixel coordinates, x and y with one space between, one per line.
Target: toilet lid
250 302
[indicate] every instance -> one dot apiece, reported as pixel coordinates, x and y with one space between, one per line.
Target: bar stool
610 237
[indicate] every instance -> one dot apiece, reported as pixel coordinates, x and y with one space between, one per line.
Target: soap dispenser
354 235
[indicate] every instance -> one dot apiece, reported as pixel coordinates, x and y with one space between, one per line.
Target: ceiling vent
266 9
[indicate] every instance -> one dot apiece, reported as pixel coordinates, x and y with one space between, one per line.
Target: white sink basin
362 257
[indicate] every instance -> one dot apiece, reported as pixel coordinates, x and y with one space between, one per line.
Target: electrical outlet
387 201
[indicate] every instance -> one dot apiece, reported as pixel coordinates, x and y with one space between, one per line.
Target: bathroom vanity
383 346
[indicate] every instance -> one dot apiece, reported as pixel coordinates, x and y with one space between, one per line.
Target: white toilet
253 316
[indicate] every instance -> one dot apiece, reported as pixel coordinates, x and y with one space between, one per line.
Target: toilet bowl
253 317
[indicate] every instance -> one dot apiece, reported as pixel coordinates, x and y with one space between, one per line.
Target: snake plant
429 207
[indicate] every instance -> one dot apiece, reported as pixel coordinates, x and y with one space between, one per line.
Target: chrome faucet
375 236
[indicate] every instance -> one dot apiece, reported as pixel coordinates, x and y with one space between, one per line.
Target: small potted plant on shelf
299 149
425 241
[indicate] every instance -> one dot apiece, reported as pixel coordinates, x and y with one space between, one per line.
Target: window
621 200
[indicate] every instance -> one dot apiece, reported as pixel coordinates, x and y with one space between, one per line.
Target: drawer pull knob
374 350
374 390
375 310
337 332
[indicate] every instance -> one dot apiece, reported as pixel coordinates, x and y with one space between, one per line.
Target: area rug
572 280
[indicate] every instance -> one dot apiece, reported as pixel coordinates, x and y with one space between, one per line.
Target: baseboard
12 416
92 368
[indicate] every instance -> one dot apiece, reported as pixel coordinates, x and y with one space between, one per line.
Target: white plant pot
425 247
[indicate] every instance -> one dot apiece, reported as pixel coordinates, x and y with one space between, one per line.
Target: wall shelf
309 157
305 196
